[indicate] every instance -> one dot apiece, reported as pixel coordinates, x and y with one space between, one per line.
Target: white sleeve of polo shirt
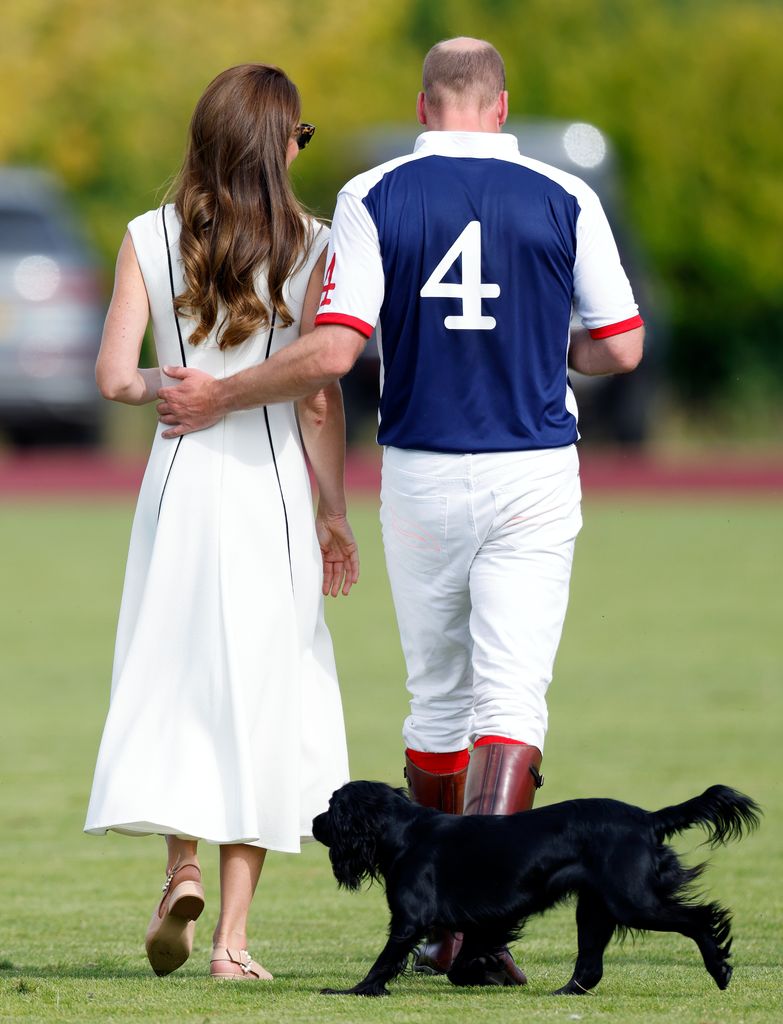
602 293
353 281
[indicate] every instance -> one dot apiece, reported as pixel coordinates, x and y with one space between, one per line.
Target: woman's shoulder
155 223
318 232
145 220
316 242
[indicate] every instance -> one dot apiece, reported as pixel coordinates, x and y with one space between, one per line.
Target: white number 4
470 290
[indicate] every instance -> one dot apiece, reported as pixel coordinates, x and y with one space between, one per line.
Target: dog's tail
722 811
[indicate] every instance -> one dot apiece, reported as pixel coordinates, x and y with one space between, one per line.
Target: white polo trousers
479 551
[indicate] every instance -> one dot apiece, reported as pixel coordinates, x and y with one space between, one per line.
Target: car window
26 231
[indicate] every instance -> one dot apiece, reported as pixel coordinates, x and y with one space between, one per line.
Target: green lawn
668 680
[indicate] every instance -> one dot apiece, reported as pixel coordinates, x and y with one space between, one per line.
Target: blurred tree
102 93
690 91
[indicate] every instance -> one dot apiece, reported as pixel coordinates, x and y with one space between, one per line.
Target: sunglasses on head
303 133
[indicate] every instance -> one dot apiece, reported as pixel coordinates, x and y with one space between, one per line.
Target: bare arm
322 421
322 417
307 365
594 357
117 368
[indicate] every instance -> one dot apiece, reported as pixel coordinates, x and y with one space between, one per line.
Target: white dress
225 722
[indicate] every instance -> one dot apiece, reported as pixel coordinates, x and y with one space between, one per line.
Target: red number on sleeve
328 283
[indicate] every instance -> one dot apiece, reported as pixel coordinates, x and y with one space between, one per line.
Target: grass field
668 680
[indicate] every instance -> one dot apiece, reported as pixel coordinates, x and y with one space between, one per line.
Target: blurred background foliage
689 91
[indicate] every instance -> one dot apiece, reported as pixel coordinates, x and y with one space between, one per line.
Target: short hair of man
463 72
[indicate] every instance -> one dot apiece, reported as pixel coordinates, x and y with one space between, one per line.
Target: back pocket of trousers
414 529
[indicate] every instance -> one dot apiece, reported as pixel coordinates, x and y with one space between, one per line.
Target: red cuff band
484 741
611 329
346 321
439 764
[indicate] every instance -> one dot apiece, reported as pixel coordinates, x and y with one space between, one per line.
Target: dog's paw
723 976
493 969
357 990
572 988
468 974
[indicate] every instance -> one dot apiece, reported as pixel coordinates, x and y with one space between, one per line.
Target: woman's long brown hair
238 211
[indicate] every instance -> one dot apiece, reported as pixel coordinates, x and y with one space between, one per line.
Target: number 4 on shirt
470 290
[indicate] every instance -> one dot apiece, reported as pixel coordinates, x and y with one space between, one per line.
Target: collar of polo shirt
474 144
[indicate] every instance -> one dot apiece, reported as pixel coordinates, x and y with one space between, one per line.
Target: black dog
484 875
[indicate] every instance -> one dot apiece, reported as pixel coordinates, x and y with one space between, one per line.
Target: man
468 257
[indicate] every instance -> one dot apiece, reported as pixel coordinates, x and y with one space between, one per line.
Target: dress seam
274 459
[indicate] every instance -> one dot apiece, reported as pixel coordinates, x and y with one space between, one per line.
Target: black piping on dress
181 348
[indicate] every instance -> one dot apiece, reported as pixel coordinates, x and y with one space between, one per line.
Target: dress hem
160 830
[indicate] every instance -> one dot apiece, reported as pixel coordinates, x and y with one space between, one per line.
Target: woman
225 722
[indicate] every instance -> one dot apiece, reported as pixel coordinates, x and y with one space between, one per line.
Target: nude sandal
169 938
236 965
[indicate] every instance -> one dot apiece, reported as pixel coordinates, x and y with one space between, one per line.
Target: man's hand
190 405
339 552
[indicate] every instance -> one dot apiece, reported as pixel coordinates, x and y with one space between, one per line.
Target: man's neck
457 117
462 121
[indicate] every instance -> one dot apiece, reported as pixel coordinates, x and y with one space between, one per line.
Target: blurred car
51 313
617 409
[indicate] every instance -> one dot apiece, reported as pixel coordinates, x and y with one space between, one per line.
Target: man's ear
502 108
421 109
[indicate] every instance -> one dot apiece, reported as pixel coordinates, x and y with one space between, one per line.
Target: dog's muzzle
321 828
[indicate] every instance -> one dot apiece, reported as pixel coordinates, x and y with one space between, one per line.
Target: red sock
439 764
484 741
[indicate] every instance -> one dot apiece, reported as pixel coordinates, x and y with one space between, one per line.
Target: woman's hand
338 550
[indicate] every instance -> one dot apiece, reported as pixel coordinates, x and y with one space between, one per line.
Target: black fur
484 875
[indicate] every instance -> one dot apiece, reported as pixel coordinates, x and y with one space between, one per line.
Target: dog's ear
352 851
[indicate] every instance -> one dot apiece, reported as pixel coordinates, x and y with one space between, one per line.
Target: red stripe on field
63 474
48 474
708 475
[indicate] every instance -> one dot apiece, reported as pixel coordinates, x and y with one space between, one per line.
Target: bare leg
240 869
169 938
180 850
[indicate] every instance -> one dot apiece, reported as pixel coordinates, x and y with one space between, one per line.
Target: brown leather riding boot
502 779
444 793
